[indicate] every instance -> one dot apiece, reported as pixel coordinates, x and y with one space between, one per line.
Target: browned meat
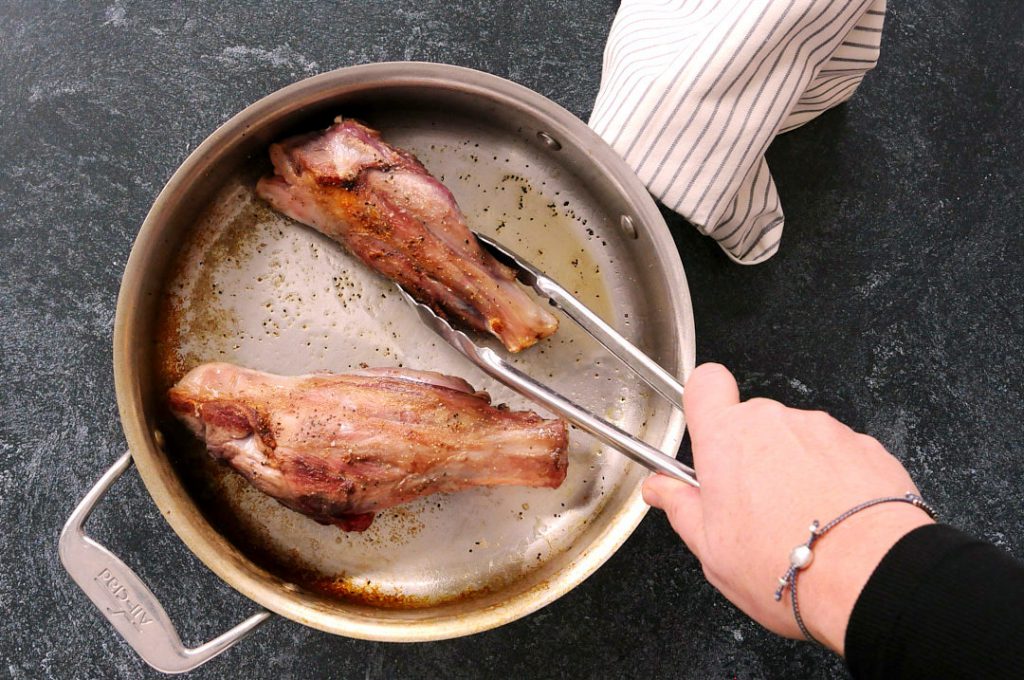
386 209
340 448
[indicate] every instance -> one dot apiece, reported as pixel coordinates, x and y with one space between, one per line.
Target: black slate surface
895 303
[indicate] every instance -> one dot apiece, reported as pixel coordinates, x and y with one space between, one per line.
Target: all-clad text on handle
126 601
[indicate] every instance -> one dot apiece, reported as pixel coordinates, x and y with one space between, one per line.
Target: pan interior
254 288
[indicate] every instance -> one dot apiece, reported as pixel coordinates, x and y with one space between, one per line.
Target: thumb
681 502
709 389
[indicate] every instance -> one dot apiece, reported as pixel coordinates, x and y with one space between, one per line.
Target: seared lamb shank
340 448
387 210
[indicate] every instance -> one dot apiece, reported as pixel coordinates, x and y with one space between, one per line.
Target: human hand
766 472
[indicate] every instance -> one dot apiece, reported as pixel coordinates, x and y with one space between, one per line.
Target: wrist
844 560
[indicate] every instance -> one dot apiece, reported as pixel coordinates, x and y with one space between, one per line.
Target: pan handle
126 601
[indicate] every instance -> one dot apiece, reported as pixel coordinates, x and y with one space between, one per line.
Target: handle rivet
548 140
628 228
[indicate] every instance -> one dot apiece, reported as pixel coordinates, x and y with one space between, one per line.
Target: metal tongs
493 365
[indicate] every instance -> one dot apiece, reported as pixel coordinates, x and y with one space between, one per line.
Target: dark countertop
895 303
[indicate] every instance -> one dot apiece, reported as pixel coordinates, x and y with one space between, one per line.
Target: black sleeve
940 604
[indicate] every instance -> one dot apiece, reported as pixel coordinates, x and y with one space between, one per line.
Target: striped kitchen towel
693 92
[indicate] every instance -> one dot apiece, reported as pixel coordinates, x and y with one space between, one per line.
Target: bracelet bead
801 557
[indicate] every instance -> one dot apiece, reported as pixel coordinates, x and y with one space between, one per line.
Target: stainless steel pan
214 275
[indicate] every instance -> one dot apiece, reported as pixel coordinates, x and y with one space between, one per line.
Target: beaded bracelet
801 556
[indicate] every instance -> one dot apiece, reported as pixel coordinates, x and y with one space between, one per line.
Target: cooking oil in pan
257 289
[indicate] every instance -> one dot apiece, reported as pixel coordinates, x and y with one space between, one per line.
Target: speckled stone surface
897 303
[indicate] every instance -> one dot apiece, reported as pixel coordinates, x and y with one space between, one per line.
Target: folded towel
693 92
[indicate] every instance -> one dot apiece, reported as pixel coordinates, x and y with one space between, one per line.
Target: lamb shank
381 204
342 447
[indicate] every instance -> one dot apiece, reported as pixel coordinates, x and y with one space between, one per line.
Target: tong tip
435 321
525 271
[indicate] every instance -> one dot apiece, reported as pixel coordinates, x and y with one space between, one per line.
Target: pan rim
181 513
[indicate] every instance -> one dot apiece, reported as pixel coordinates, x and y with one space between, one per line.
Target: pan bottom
257 289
